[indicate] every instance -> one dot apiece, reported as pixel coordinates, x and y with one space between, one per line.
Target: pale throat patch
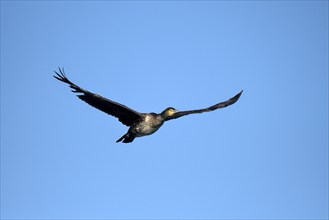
171 112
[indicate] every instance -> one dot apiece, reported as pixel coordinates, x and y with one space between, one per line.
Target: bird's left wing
125 115
211 108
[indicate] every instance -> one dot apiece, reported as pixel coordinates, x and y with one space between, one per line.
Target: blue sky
264 157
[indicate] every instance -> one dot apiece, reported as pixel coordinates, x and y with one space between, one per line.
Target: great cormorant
140 124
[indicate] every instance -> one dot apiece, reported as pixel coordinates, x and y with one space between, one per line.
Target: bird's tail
127 138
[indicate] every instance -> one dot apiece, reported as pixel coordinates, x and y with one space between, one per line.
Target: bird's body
140 124
146 125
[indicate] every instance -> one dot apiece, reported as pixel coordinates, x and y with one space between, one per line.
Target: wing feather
125 114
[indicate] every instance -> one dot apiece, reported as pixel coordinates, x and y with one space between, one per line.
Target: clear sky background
264 157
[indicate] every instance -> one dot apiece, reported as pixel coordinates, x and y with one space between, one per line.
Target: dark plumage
140 124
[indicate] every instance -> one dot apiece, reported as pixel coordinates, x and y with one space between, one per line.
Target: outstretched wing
125 115
211 108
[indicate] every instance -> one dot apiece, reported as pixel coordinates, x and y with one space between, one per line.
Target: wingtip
236 97
60 74
239 94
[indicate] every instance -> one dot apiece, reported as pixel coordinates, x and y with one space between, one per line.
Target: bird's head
168 112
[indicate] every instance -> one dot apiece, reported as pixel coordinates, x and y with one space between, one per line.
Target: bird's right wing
209 109
125 115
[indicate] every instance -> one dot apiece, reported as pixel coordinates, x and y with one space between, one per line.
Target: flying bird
140 124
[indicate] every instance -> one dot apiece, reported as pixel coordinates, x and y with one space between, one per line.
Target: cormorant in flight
140 124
